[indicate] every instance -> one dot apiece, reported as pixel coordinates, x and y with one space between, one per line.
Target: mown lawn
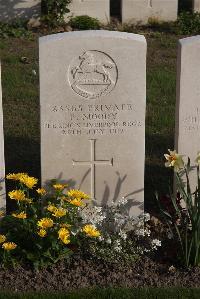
21 107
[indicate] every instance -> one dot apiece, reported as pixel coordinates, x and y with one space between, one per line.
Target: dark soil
85 273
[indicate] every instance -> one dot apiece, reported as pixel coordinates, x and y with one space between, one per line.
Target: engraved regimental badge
93 74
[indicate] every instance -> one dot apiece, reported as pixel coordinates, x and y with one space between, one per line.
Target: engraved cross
93 162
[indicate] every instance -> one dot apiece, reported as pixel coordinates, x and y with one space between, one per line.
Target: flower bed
57 239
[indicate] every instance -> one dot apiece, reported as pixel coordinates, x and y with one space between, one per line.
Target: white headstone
92 93
99 9
187 136
196 5
140 11
15 9
2 163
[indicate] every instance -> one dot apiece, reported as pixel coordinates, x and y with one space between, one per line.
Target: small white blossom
123 201
155 243
34 72
143 232
108 241
123 234
146 217
101 238
98 209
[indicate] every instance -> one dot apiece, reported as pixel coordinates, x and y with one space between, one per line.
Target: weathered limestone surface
134 11
187 137
99 9
2 163
24 9
92 93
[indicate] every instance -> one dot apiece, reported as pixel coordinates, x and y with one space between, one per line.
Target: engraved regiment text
92 119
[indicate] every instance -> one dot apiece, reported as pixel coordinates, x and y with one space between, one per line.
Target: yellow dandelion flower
63 232
41 191
77 194
59 187
65 240
15 176
45 223
9 246
42 233
91 231
28 181
63 235
2 238
21 215
60 212
174 160
51 208
17 195
76 202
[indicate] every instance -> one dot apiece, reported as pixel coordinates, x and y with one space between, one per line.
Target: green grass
21 107
122 293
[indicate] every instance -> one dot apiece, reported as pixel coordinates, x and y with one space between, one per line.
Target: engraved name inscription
94 119
93 74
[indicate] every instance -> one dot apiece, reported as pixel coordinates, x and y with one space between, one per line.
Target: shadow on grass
157 177
21 155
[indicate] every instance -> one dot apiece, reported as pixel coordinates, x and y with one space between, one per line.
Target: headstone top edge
93 33
189 40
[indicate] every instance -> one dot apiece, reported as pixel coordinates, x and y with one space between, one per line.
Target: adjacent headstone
99 9
187 136
196 5
140 11
2 163
19 9
92 93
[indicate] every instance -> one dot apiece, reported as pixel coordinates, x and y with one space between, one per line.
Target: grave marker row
131 10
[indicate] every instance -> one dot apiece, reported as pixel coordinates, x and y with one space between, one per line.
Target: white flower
174 160
146 216
98 209
122 201
108 241
143 232
101 238
34 72
155 243
122 234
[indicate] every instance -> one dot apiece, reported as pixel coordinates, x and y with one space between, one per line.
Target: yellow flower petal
21 215
91 231
9 246
17 195
45 223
